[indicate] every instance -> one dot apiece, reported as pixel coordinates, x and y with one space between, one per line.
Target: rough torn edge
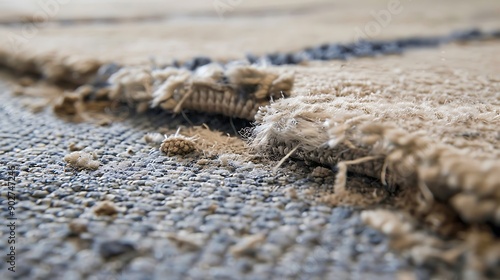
428 174
234 90
305 128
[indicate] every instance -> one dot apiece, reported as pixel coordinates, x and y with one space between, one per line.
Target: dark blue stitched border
363 48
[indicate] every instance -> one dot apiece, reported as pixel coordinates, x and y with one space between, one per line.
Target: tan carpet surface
236 34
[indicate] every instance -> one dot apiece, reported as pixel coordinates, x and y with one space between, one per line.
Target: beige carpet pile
425 125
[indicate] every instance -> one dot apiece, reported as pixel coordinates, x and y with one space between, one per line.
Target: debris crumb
203 161
247 245
230 159
212 208
73 147
78 226
291 193
154 138
82 160
188 241
106 208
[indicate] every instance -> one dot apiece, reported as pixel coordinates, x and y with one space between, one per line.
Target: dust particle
106 208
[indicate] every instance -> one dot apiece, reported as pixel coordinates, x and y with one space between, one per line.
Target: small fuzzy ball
177 145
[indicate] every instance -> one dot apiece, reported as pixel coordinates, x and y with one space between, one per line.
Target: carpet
262 140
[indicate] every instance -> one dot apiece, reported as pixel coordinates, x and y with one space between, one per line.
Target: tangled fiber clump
436 183
178 145
237 90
